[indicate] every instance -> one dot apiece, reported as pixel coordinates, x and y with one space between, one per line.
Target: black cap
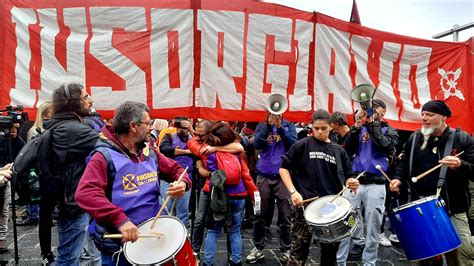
437 107
379 103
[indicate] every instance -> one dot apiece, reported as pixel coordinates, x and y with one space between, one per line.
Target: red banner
221 60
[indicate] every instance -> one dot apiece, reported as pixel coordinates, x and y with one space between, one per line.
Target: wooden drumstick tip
378 167
414 180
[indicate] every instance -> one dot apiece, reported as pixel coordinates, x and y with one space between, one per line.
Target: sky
415 18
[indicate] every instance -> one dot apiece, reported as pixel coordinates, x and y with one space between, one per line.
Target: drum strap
340 172
412 150
447 152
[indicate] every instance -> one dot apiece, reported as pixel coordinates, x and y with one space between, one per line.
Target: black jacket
71 143
8 155
455 190
384 143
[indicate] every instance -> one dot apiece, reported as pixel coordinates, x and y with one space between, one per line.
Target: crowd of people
108 177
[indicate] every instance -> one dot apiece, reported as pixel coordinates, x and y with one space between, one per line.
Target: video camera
14 114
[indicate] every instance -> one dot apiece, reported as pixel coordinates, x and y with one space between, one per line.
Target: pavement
29 250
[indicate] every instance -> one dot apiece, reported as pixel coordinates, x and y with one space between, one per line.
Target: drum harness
442 173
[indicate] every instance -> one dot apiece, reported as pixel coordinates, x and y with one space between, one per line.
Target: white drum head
322 211
156 250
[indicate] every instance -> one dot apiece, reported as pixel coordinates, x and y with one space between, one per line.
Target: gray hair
126 113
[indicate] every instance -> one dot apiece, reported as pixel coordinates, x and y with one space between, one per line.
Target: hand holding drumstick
175 190
453 162
352 183
129 231
394 184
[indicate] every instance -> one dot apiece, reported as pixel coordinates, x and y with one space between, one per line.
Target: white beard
427 132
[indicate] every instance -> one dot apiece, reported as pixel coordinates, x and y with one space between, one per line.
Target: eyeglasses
149 123
200 135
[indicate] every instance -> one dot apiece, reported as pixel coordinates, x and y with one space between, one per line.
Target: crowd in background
265 157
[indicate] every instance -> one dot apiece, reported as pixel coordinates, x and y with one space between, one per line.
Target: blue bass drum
423 228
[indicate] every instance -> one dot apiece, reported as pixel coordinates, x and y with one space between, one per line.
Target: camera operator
7 152
10 144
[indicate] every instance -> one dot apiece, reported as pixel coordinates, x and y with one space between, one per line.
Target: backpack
230 163
34 152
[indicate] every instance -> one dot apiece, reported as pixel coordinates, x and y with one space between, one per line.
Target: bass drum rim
414 203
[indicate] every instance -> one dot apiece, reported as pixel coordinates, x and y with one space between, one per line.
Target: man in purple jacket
273 138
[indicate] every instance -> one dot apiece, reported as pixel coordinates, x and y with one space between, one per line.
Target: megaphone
363 94
276 104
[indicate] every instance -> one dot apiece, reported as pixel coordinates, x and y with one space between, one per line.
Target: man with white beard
426 149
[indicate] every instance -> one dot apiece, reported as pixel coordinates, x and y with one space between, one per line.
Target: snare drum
331 222
423 228
171 249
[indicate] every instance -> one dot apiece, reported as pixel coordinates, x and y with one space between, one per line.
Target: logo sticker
449 81
129 182
351 222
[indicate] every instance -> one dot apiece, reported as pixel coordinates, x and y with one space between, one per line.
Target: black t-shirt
312 164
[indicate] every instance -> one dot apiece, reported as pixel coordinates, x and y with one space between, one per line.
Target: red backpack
230 163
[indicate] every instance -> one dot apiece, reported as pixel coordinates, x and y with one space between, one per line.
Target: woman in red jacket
237 187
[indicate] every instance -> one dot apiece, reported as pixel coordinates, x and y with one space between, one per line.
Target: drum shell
182 254
336 230
424 228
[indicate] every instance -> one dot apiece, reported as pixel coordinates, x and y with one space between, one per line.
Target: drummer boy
313 163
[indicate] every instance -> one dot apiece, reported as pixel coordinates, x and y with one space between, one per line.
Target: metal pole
455 33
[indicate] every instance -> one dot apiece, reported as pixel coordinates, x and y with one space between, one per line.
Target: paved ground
29 251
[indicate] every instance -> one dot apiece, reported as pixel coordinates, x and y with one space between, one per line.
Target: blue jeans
201 220
237 209
111 260
182 205
71 231
90 249
33 211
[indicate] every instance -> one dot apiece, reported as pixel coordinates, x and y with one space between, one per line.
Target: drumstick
166 201
383 172
344 189
416 178
310 199
151 235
